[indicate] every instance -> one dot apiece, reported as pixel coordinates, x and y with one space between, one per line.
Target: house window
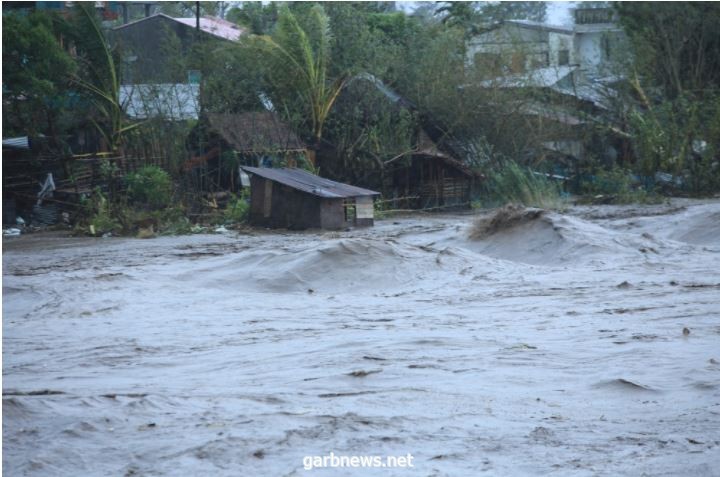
517 62
488 62
563 57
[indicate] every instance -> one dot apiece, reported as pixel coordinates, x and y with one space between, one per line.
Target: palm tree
103 81
306 54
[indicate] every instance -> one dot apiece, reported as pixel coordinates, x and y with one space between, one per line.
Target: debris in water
146 232
362 373
505 218
42 392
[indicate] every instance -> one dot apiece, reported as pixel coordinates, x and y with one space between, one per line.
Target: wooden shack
431 178
417 168
297 199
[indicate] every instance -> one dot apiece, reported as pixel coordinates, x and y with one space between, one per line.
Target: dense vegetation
317 62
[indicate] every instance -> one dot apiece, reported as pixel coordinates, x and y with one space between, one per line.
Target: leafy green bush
380 209
509 182
101 219
150 186
237 209
619 185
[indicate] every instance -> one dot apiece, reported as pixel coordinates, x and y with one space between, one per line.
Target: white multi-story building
593 43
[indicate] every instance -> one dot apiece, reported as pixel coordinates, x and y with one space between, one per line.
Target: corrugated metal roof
551 113
17 142
537 78
310 183
215 26
212 25
594 92
165 100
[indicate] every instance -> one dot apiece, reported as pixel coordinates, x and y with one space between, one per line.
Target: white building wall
558 42
593 50
509 42
588 48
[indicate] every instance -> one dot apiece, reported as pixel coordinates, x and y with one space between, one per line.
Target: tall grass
508 182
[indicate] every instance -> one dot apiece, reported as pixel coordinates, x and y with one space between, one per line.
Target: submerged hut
297 199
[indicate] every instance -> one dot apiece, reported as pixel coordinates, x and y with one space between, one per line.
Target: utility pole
197 16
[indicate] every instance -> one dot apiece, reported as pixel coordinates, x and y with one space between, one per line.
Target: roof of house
216 26
546 27
165 100
255 132
538 78
310 183
539 26
551 113
600 95
425 145
17 143
212 25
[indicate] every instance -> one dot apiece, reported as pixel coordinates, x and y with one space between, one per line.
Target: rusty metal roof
310 183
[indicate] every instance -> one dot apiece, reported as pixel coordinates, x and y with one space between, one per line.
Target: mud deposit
584 343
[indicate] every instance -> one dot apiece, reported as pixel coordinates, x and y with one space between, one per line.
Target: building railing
588 16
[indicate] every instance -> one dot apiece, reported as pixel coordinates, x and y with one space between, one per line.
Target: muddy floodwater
577 343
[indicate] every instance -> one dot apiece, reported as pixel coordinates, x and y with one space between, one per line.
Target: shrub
511 183
101 219
237 209
619 185
150 186
380 209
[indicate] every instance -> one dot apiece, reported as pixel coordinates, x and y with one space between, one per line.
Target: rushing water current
584 343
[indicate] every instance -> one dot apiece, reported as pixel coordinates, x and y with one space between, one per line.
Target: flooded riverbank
582 343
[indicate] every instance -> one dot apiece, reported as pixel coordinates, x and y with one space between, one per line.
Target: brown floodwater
553 346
